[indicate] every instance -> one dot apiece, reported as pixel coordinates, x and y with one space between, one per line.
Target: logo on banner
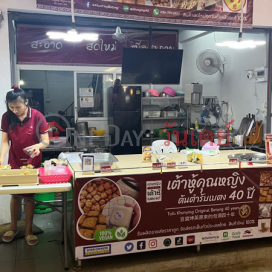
140 245
167 242
126 8
210 237
190 239
248 233
244 211
225 236
153 191
129 247
152 243
179 241
234 5
236 235
118 234
96 250
121 233
88 4
156 12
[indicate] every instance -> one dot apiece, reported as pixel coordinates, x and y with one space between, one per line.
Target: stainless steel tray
102 159
254 157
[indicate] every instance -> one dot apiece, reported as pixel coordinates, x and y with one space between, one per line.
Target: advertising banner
35 47
127 214
220 13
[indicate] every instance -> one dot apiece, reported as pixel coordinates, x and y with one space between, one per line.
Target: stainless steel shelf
154 138
162 118
163 98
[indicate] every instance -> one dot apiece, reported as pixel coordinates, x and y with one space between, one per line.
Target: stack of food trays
26 176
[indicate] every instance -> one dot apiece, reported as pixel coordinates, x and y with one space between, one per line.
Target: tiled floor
17 256
47 256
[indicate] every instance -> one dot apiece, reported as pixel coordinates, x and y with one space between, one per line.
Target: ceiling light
56 35
240 43
72 35
110 69
21 82
89 36
243 44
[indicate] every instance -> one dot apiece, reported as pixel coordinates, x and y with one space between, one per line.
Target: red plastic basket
60 178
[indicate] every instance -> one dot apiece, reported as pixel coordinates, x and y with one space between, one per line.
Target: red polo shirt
24 134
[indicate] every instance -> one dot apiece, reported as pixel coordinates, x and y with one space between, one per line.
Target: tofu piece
141 2
270 192
129 1
81 220
102 219
262 199
89 223
269 198
93 214
100 227
87 233
121 216
264 193
265 188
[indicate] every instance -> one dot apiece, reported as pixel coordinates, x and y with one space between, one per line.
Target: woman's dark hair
14 95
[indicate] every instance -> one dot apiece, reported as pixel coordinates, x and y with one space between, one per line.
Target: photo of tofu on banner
234 5
123 211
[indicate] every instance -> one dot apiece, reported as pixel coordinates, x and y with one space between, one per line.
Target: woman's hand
33 151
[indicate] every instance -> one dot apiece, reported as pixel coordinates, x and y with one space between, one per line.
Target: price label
233 161
105 169
171 165
156 165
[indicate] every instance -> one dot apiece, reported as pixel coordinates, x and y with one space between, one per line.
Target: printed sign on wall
34 46
220 13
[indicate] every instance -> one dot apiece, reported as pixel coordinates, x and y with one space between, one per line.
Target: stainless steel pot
164 95
147 94
82 128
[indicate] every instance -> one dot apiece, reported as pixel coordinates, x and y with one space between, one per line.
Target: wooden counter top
133 165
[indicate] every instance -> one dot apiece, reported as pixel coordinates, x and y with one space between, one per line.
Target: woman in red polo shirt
23 127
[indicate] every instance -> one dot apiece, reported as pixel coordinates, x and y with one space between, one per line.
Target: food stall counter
133 164
136 209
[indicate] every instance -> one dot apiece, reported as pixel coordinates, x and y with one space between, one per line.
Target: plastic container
153 92
151 111
57 175
162 132
196 124
39 208
169 91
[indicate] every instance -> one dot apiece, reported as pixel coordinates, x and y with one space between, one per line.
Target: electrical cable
47 90
240 37
73 12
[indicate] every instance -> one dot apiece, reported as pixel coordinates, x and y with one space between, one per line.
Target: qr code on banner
87 162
